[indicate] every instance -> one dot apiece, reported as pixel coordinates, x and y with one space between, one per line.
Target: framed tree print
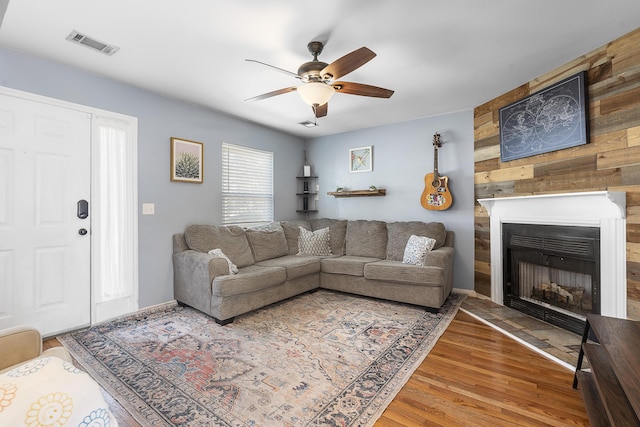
360 159
186 161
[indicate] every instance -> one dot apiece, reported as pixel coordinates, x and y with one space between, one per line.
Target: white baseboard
161 305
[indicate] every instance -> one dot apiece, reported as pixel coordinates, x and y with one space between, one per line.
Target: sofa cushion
179 244
417 249
367 239
349 265
292 233
296 266
249 279
267 243
396 271
314 243
337 232
230 239
269 226
399 233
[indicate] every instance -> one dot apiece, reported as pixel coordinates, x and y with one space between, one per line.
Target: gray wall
160 118
402 156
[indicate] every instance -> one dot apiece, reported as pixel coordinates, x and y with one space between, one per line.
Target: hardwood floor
475 376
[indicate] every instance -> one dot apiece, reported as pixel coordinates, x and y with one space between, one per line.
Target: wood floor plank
518 392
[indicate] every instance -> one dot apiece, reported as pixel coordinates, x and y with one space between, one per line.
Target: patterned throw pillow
417 249
314 242
233 269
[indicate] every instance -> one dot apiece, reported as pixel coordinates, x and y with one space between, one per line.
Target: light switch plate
148 209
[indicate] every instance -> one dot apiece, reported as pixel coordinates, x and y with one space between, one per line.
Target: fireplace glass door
552 272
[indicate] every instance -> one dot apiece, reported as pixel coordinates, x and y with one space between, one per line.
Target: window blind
247 185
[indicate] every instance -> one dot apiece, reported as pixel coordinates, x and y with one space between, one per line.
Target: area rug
317 359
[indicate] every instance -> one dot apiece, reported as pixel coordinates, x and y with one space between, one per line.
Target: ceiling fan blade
351 61
274 93
362 90
282 70
320 110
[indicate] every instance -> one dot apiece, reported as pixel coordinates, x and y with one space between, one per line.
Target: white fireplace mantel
603 209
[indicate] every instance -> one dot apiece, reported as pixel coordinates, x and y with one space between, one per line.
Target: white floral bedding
54 393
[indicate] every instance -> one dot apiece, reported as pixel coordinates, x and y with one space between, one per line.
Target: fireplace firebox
552 272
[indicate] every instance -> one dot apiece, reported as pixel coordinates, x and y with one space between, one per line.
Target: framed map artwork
551 119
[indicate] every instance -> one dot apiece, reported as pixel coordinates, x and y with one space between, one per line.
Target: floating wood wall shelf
359 193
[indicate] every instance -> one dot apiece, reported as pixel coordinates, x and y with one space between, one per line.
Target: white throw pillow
233 269
417 249
314 242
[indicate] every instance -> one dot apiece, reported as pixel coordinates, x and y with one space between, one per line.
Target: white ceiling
439 56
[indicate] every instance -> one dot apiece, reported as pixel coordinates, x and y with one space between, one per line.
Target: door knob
82 231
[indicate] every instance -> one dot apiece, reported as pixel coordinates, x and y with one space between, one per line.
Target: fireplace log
554 293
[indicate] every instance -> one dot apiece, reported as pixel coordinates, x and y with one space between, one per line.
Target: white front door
45 161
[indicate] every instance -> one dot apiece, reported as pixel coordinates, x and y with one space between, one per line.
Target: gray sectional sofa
275 262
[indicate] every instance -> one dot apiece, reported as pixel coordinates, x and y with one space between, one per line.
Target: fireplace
599 214
552 272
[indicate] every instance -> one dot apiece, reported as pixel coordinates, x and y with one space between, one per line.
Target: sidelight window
114 212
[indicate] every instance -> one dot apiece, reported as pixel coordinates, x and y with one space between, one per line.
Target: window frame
247 196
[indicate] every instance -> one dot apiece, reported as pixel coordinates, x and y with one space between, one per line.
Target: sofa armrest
199 267
441 257
193 274
19 344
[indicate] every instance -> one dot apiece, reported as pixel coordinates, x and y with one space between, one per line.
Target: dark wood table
611 389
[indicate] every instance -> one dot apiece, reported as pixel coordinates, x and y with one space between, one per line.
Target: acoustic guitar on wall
436 195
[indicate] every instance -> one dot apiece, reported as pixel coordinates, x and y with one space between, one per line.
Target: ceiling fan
319 79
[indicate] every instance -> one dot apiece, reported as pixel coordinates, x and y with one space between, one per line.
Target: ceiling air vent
309 124
80 38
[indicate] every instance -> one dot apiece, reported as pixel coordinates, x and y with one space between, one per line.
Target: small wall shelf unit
307 194
611 389
359 193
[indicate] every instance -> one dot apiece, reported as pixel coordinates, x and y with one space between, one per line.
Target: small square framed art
361 159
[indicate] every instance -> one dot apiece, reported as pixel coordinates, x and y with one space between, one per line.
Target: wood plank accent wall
609 161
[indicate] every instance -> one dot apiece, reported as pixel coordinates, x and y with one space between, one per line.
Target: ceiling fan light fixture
316 93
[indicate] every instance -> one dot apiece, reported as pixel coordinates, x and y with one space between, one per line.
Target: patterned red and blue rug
318 359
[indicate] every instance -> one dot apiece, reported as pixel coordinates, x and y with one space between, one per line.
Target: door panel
46 277
6 279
